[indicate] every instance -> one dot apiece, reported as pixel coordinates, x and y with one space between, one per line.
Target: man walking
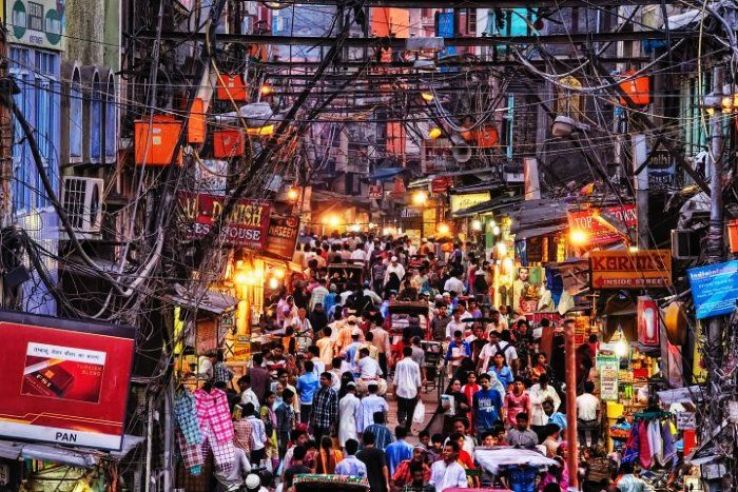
325 408
407 381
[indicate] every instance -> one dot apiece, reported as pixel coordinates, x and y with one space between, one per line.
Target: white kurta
349 408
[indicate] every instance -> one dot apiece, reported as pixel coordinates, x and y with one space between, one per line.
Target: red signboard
64 381
282 236
442 184
602 225
246 225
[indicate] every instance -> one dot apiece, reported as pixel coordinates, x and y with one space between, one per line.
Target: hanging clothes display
188 433
651 441
216 426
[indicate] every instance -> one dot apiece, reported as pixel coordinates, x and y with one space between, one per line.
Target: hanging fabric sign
648 322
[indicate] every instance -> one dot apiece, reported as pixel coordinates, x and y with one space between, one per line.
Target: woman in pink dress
516 401
469 389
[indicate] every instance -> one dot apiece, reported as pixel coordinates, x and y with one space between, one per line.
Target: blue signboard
714 288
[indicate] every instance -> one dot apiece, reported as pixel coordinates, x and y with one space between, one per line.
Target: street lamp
293 194
578 237
476 225
420 198
444 229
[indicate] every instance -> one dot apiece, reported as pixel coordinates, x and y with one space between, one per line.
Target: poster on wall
64 381
714 288
608 367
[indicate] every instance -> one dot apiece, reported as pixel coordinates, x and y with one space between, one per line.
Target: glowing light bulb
578 237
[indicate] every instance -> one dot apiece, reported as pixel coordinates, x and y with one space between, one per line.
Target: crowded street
369 246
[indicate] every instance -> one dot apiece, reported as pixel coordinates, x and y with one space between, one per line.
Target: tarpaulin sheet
492 459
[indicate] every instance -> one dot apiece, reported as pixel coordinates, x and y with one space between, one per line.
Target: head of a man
451 452
521 421
326 380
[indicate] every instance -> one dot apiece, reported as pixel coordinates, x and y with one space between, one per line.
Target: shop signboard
608 366
442 184
661 167
642 269
245 227
376 192
282 236
714 288
38 23
64 381
466 200
604 225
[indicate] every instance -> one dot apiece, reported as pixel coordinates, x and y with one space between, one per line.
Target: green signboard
37 23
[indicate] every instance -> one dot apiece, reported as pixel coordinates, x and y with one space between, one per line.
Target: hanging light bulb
435 132
427 96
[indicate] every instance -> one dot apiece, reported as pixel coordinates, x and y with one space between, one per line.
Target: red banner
246 225
282 236
442 184
602 225
64 381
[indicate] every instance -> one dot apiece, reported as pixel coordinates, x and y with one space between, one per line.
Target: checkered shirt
222 373
325 408
243 430
213 413
185 413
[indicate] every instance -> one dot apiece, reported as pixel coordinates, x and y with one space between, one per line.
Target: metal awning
539 231
200 299
84 458
538 213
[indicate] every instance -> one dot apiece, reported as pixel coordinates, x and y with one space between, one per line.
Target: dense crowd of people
316 398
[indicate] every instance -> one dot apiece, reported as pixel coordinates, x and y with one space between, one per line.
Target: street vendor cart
337 483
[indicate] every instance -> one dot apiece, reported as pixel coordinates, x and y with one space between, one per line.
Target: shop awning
538 213
539 231
202 299
13 450
385 173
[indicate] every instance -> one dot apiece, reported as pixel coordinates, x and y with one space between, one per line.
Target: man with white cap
346 333
394 267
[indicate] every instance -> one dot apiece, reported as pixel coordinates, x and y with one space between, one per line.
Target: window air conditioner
82 200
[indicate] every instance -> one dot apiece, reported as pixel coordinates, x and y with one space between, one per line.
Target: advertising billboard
64 381
246 226
714 288
39 23
466 200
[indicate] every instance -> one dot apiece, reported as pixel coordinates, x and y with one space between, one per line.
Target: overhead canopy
539 231
533 214
385 173
200 299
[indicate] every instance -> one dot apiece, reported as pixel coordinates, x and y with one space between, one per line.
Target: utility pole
572 460
639 154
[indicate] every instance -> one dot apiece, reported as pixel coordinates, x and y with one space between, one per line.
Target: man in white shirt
456 323
495 345
258 434
454 284
589 411
540 392
247 394
396 268
407 380
205 366
359 253
236 476
369 373
369 404
318 294
447 473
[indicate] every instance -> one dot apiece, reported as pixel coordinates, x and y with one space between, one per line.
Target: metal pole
149 441
168 436
572 459
715 243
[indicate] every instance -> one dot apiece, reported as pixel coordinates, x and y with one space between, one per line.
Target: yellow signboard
460 202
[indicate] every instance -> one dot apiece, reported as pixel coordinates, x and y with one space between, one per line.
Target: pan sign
714 288
606 225
246 225
64 381
631 270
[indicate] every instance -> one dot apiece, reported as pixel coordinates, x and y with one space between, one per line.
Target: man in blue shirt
399 450
557 418
382 435
487 405
458 350
307 385
351 465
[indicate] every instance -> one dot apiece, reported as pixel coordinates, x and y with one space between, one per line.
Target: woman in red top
516 401
469 389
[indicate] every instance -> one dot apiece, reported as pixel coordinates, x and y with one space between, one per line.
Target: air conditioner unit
82 200
685 245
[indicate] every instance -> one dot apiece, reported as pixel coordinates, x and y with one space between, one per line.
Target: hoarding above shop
631 269
246 226
466 200
714 288
64 381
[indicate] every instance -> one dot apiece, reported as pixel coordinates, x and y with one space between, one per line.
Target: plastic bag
419 413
